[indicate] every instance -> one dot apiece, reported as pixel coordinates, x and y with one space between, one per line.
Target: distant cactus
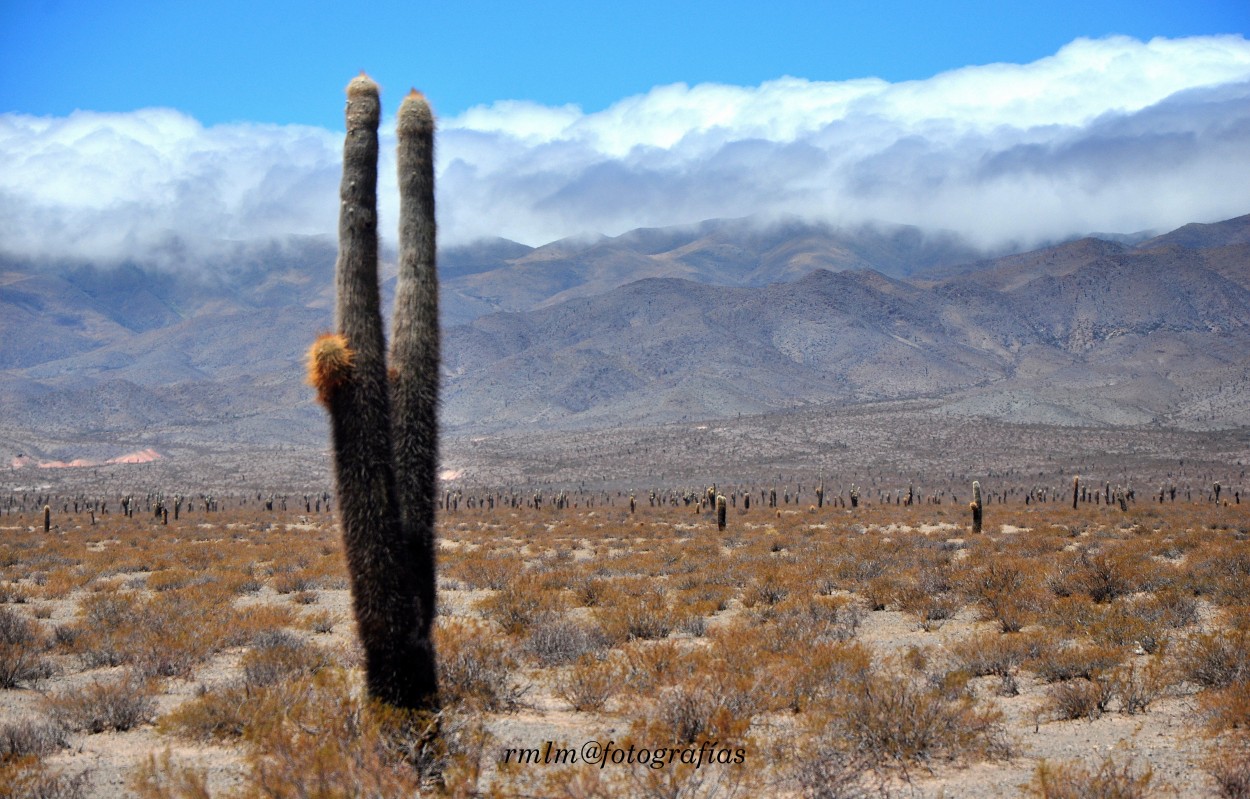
384 461
720 512
47 518
1076 490
975 507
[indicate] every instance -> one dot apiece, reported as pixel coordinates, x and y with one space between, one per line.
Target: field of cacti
823 651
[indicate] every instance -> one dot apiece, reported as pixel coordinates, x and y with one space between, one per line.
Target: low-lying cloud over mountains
1111 134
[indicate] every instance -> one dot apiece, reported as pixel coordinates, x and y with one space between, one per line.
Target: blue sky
286 61
132 130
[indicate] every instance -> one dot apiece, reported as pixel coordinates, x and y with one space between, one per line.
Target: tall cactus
975 506
384 432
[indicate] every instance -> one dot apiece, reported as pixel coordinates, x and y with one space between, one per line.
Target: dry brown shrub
1008 590
477 667
1229 766
590 682
120 705
1080 698
557 641
524 601
1216 659
30 778
928 594
1076 780
1074 661
22 645
897 718
634 608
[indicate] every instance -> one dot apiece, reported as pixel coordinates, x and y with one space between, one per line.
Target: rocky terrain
724 320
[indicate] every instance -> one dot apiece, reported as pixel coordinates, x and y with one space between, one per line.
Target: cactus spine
385 462
975 506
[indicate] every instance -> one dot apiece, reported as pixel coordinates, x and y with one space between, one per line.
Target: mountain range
724 318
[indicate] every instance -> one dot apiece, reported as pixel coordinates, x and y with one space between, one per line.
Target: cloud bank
1112 135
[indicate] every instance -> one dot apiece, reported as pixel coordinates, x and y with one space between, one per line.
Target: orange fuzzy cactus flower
329 364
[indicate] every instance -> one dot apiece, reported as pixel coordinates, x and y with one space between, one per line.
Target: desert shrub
1226 708
277 655
163 636
11 593
557 641
893 718
1106 574
1007 590
996 654
1080 698
813 619
163 779
21 647
321 622
1076 780
878 591
634 609
315 737
1138 686
589 682
30 737
650 664
811 676
1119 625
821 771
221 714
770 585
478 571
520 603
99 706
476 667
1229 767
928 594
691 711
29 778
1074 661
1216 660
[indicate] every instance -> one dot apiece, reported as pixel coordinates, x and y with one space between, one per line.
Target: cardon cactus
975 506
720 512
384 428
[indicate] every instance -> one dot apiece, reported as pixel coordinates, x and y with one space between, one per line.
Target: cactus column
385 462
975 507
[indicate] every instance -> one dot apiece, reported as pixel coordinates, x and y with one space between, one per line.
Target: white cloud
1111 134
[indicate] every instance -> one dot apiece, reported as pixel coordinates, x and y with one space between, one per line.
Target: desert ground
811 649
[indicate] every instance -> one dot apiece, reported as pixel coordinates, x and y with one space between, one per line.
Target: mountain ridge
689 324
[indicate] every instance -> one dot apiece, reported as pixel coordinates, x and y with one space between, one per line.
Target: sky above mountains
155 131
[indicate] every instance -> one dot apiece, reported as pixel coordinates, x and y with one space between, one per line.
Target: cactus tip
329 364
361 84
415 112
